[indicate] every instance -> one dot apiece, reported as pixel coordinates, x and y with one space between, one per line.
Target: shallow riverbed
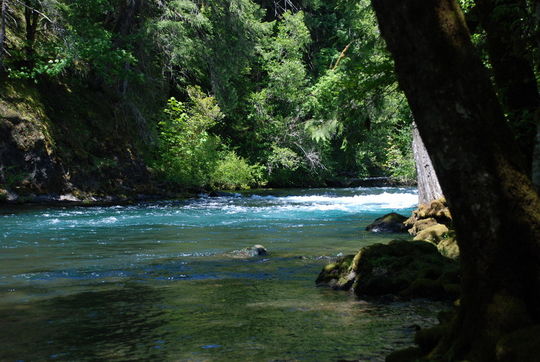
161 281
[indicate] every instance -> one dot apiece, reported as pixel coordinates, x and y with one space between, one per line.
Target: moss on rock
437 210
433 233
449 247
339 274
407 269
389 223
433 223
404 268
422 224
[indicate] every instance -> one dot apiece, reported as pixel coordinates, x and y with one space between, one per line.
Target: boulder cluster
433 223
425 267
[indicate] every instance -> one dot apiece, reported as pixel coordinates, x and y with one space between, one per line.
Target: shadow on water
212 319
108 324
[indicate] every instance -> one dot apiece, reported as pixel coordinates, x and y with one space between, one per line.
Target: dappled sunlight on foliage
189 155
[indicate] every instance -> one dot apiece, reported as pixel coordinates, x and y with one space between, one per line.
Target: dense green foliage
306 89
295 94
308 93
190 156
70 35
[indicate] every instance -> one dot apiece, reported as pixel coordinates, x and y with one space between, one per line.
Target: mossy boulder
436 209
449 247
422 224
389 223
434 233
339 274
432 222
406 269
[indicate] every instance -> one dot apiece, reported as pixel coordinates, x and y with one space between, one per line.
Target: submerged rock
389 223
258 250
255 250
426 340
407 269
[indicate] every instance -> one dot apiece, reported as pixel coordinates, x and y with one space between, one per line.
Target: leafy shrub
190 156
233 172
187 152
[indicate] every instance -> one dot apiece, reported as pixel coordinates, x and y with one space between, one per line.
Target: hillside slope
58 139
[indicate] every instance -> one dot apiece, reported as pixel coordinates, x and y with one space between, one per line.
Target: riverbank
78 198
70 199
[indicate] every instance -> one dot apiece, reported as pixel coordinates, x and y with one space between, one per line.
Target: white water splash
384 201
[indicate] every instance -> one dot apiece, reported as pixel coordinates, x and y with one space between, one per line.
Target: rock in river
389 223
407 269
255 250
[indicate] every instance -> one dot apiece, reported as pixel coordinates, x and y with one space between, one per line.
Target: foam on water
250 210
385 200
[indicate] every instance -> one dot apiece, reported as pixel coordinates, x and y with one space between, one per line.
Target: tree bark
127 20
31 18
429 188
536 154
482 173
513 69
3 16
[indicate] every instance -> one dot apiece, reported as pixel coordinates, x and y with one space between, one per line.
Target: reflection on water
157 281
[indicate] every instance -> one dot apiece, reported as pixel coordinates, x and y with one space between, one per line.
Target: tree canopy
305 89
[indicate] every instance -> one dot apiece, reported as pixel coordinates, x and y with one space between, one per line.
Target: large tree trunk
429 188
496 211
513 69
536 155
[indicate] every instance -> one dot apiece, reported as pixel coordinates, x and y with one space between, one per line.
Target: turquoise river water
160 281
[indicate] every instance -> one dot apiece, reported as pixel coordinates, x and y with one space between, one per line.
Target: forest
106 102
285 94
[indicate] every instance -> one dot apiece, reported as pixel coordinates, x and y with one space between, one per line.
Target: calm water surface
161 281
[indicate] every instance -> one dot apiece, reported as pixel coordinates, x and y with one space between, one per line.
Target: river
161 280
